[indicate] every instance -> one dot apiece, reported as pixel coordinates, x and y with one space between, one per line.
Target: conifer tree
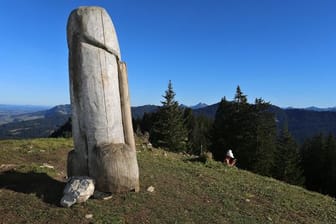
319 155
313 155
242 130
189 121
198 128
240 98
287 161
249 130
264 140
221 137
200 134
330 166
169 128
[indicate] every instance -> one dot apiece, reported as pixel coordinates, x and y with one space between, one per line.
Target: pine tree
249 130
319 155
313 156
221 136
240 98
198 128
330 166
189 121
288 162
264 140
147 121
169 129
243 130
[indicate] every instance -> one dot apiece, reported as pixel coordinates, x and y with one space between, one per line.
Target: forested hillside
302 123
259 134
35 125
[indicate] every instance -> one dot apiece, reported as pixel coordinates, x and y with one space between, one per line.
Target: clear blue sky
281 50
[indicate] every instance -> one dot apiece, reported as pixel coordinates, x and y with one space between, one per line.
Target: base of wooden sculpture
114 168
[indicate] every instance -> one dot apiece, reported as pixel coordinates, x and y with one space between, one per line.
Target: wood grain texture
100 109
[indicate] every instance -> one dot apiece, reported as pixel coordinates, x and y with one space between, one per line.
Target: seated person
229 158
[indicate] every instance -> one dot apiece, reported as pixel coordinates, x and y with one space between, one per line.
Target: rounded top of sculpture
94 26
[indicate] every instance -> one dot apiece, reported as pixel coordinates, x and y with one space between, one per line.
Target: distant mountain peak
199 106
312 108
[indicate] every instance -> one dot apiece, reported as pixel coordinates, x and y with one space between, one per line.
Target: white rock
77 190
151 189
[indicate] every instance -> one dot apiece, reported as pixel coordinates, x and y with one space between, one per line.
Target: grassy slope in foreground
185 192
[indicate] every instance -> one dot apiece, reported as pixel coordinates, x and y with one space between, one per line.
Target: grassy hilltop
32 176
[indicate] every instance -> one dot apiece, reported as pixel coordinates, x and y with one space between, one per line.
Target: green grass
185 191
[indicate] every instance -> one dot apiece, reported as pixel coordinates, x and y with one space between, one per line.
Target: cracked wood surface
100 103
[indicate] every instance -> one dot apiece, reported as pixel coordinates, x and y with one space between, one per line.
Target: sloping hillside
8 113
305 124
138 112
186 191
35 125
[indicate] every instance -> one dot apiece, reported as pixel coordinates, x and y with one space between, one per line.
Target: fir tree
288 162
240 98
249 130
330 166
243 130
319 155
189 121
221 138
169 128
198 128
264 140
313 155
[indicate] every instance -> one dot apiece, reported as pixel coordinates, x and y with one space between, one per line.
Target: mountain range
36 124
9 113
302 123
312 108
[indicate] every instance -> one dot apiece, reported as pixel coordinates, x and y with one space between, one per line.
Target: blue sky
281 50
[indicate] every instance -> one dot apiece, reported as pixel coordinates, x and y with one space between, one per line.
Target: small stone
46 165
151 189
88 216
269 218
102 195
247 200
107 198
6 167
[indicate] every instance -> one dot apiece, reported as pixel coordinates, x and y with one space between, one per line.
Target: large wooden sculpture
101 115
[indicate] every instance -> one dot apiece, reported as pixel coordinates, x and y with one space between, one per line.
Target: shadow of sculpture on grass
43 186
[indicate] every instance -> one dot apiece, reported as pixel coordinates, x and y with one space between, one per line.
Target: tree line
250 130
